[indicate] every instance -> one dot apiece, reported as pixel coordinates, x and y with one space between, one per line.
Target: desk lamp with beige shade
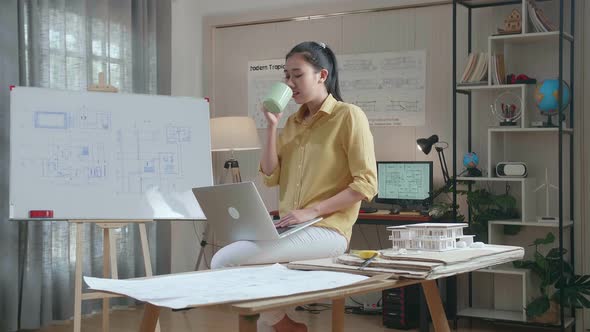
230 133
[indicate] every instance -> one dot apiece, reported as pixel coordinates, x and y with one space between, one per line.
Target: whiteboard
93 155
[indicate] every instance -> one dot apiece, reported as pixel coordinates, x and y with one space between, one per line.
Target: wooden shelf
504 315
487 87
490 179
504 269
567 131
568 223
532 37
487 3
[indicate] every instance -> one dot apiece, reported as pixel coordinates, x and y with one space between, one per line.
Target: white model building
430 236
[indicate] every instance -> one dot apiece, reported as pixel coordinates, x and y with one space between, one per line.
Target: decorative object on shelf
507 108
511 169
471 161
512 23
546 99
539 21
575 289
547 217
520 79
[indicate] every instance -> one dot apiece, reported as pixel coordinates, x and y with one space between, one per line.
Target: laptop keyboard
281 230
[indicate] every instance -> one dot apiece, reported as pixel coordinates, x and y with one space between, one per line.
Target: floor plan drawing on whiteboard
82 151
102 156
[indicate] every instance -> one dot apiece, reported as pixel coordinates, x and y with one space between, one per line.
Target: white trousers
309 243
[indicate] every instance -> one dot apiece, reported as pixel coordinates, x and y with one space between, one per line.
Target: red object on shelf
41 214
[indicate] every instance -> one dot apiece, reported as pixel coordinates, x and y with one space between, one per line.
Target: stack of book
498 69
538 19
476 70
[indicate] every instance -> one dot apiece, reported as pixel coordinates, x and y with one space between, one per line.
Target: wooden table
249 311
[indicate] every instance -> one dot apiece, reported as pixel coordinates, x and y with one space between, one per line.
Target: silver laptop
236 212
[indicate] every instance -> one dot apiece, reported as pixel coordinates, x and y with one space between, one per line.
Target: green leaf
547 240
523 264
554 254
575 291
512 229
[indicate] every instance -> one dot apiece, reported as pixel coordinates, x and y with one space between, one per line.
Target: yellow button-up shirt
320 157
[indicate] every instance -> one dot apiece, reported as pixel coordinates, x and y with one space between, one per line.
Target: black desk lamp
425 145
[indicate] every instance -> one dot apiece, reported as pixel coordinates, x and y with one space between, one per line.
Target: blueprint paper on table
222 286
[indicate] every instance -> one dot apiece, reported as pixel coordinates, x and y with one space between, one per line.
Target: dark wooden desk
382 217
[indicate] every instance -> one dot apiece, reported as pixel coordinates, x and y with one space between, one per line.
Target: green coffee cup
277 98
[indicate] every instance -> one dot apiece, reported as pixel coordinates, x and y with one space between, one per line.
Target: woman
324 164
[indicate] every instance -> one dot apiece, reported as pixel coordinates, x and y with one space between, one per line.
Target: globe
547 95
470 160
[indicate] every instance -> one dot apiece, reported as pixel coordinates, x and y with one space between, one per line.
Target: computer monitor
405 183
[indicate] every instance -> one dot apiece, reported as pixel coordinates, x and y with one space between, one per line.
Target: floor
209 320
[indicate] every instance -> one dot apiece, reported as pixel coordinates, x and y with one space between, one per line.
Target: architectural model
430 236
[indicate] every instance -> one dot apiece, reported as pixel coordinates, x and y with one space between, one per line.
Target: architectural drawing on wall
402 106
367 106
362 65
370 79
402 62
397 86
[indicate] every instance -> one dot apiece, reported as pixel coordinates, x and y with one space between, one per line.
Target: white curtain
65 44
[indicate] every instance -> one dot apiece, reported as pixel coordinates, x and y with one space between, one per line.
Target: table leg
106 273
247 323
78 279
147 260
150 318
437 311
338 315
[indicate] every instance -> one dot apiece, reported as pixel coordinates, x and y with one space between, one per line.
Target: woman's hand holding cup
275 102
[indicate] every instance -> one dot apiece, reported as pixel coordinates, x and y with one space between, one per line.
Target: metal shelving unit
562 133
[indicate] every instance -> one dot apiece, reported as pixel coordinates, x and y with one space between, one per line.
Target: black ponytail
320 56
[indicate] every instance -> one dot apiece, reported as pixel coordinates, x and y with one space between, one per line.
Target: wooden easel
109 250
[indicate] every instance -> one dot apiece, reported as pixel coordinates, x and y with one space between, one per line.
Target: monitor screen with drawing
405 183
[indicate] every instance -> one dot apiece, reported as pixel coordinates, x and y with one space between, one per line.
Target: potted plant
483 207
555 287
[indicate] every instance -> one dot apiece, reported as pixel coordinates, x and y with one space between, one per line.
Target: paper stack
476 70
498 69
538 19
